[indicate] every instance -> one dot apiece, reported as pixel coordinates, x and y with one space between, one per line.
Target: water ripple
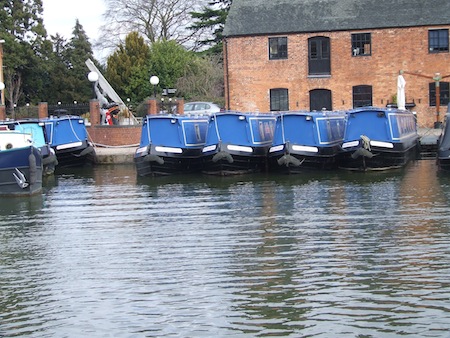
103 254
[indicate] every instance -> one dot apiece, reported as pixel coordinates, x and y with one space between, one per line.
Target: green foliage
127 68
212 19
169 61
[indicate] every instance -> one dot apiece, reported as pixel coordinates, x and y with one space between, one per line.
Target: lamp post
2 94
154 80
93 78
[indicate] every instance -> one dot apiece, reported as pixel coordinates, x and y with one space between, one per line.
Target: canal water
101 253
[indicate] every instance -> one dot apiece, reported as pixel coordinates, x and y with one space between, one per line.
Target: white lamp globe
2 86
93 76
154 80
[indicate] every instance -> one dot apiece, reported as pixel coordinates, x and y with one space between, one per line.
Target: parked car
201 108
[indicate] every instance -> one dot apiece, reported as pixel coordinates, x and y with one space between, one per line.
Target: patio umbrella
401 97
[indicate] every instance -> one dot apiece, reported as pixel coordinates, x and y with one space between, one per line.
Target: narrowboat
306 140
443 151
379 139
39 138
171 144
20 164
237 143
68 136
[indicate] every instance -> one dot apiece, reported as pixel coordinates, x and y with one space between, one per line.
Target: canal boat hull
237 143
379 139
306 141
171 144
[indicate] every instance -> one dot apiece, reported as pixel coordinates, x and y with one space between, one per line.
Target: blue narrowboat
38 134
68 136
306 140
171 144
237 143
20 164
379 139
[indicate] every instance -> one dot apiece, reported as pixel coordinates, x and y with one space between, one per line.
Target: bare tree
155 20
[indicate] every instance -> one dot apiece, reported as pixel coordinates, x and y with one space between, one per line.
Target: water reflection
336 254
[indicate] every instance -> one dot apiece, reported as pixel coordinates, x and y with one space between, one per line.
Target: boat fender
289 160
154 158
50 159
86 151
223 155
362 152
33 168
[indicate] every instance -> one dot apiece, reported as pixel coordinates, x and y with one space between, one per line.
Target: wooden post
94 112
42 110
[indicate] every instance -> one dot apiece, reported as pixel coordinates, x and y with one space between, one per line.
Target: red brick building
337 54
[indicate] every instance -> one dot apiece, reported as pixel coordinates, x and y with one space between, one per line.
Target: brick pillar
42 110
2 112
94 112
180 106
152 107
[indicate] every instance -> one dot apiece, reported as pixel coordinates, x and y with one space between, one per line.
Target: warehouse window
279 99
361 44
443 93
438 40
362 96
277 48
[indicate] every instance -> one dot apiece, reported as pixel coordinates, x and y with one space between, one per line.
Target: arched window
319 56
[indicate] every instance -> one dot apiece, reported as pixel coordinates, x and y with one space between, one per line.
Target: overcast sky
60 16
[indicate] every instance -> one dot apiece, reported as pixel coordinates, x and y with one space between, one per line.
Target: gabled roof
263 17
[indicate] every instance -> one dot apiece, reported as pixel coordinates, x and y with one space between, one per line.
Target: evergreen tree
128 68
77 51
212 19
25 50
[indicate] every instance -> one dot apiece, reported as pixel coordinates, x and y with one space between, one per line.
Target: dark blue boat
37 131
306 140
68 136
237 143
171 144
379 139
443 151
20 164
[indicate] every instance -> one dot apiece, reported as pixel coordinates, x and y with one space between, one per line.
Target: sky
60 17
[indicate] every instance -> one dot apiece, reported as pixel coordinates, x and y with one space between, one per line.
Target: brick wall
249 74
115 135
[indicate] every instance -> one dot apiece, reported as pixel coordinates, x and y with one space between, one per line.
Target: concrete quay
125 154
115 155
